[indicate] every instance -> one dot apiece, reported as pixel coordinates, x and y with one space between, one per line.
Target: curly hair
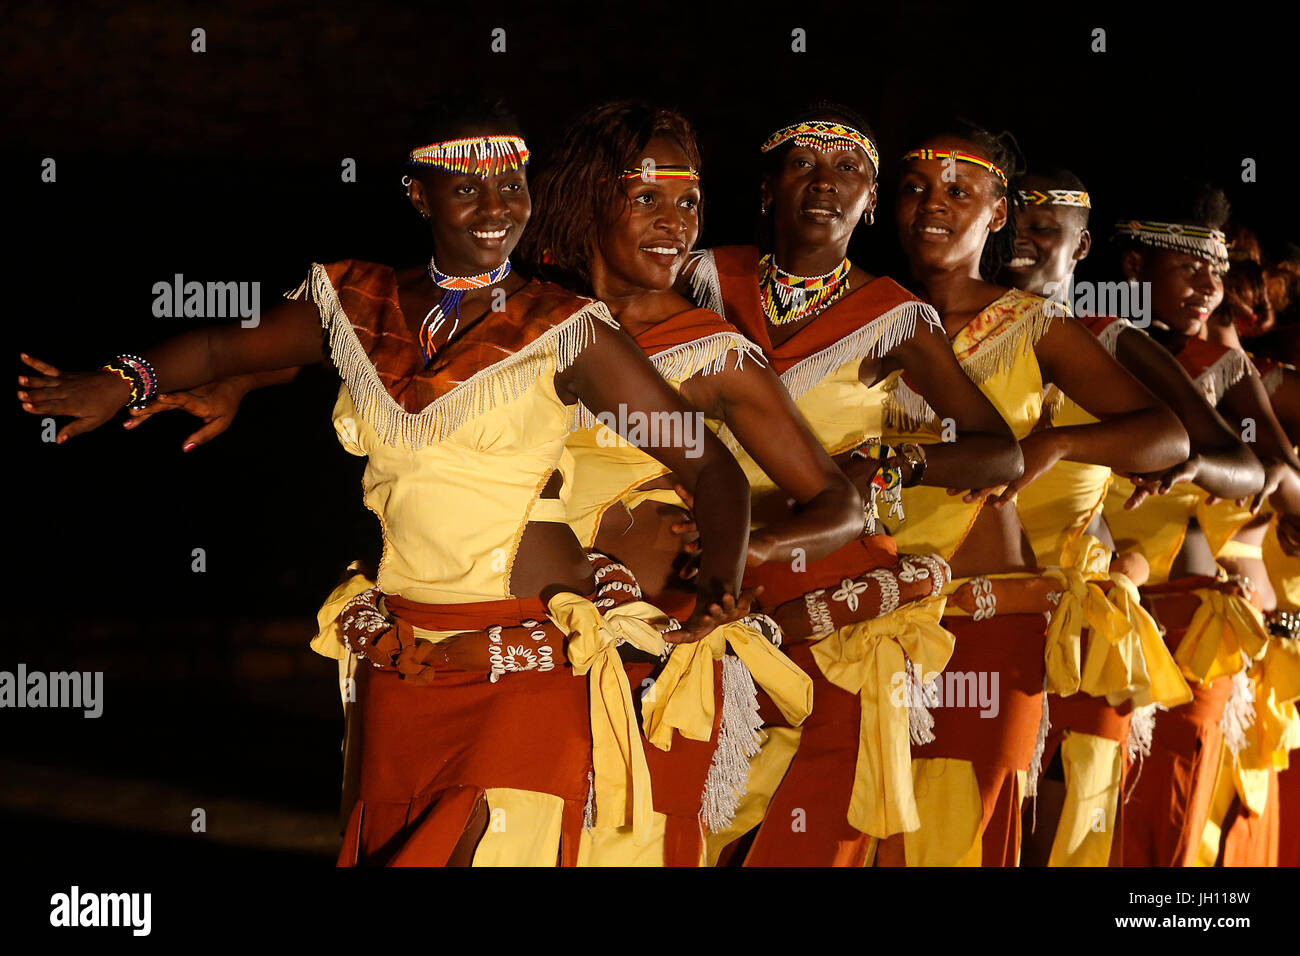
1003 151
574 198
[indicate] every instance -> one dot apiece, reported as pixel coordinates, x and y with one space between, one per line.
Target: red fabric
999 824
1248 839
1197 355
738 278
1012 647
782 583
1288 788
428 751
807 822
681 328
368 295
1169 801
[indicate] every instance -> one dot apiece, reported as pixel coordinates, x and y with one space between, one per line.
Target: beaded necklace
788 298
456 287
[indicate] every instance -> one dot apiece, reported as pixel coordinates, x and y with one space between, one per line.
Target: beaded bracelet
139 374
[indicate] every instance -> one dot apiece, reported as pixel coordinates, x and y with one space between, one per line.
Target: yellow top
600 469
996 349
454 484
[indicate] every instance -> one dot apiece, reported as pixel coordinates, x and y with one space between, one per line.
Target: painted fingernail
188 447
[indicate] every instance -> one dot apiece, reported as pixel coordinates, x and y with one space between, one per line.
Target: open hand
89 398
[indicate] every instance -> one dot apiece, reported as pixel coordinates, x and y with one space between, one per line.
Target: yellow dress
453 486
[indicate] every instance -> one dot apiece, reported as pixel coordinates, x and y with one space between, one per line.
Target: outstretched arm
758 410
611 375
289 334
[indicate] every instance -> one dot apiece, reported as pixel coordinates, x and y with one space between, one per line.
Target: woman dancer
822 792
462 415
955 227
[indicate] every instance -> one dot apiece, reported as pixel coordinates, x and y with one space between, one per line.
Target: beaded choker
1055 197
824 137
1200 241
456 287
478 155
957 156
788 298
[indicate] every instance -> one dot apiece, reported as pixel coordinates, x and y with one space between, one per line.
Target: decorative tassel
1229 369
739 738
498 384
1238 713
1040 747
920 721
1053 402
706 288
1141 731
589 811
904 409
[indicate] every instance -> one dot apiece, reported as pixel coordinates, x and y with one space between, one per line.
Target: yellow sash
869 658
1164 683
1225 631
1084 604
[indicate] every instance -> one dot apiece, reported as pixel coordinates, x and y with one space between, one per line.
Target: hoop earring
406 181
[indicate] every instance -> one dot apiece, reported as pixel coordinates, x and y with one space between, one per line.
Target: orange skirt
1169 803
429 752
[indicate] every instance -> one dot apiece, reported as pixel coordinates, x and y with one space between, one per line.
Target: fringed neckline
498 384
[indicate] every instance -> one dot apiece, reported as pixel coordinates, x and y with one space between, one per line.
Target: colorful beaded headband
1208 244
478 155
1055 197
824 137
650 174
957 156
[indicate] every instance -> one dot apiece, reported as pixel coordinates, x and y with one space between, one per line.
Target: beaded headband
958 156
1055 197
478 155
688 173
824 137
1201 241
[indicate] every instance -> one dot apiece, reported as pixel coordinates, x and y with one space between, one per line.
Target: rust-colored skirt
429 752
1170 798
1011 646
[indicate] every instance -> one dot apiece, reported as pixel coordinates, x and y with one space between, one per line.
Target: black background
225 165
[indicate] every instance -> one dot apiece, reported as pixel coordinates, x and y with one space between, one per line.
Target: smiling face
818 198
476 221
1185 289
643 243
1050 242
946 210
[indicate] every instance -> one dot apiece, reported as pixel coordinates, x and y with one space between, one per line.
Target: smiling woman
459 380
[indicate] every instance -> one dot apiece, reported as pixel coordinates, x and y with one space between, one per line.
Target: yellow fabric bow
618 758
681 698
1084 604
1224 630
1156 678
328 641
869 658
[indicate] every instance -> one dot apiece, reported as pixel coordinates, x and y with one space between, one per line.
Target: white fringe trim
878 337
904 409
1141 732
706 287
1040 747
1229 369
498 384
709 355
739 738
1238 713
920 722
1109 337
589 811
1273 377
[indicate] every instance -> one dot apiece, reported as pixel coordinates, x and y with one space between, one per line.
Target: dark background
225 166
